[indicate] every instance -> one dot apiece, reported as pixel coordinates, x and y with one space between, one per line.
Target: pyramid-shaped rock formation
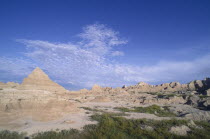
38 80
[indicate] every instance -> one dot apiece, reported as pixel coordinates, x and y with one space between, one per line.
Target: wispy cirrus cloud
87 62
12 69
100 39
117 53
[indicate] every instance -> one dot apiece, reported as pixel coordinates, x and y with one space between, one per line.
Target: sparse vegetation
166 96
153 109
202 131
111 127
1 88
90 109
78 100
63 134
111 113
203 96
11 135
162 95
153 93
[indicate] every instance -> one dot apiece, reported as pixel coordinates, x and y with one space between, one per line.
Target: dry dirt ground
77 112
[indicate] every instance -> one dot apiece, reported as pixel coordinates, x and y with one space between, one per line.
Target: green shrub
90 109
78 100
111 127
153 93
166 96
201 131
203 96
63 134
153 109
5 134
117 127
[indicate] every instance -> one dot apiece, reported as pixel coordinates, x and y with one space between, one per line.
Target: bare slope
38 80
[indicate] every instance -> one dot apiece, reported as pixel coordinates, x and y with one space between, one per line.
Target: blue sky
110 43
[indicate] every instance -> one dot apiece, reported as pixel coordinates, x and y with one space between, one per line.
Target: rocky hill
197 85
38 80
39 104
9 85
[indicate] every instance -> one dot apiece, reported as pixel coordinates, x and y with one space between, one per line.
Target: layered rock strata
38 80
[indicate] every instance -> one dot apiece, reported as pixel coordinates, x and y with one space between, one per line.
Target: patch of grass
166 96
110 113
5 134
153 93
202 132
116 114
78 100
203 96
162 95
153 109
111 127
123 109
63 134
118 127
186 95
90 109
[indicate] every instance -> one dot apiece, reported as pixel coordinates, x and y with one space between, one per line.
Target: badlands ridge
39 104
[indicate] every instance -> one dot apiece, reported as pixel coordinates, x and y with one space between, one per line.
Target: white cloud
87 62
14 69
117 53
100 39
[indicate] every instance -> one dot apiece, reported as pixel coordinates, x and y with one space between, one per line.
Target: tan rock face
207 92
101 99
8 85
96 89
38 80
143 84
197 85
175 84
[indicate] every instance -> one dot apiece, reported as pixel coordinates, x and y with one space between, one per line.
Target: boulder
180 130
206 83
206 103
207 92
124 86
191 86
198 116
193 101
142 84
199 84
146 127
175 85
96 88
